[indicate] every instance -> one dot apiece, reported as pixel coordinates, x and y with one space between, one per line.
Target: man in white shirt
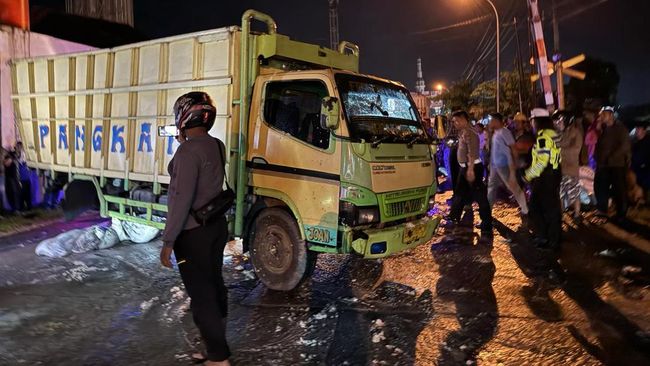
502 167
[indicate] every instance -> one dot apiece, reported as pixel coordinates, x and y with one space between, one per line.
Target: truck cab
347 156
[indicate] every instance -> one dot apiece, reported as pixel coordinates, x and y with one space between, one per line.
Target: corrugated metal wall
118 11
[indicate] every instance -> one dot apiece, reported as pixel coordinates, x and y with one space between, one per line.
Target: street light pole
439 88
496 16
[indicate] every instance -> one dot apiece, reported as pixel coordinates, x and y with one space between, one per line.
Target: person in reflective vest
544 174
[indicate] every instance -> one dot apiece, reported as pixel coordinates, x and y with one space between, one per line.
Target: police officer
544 174
470 186
197 175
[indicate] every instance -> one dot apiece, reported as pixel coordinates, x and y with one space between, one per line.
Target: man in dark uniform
197 175
470 186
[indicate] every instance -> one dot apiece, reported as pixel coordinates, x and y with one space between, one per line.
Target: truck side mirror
329 113
168 130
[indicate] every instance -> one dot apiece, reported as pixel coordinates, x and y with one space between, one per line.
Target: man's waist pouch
216 208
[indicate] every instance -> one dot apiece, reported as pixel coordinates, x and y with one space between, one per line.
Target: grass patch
14 223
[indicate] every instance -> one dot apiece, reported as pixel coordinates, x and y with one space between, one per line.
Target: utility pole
557 60
520 67
541 54
532 56
546 67
498 80
334 24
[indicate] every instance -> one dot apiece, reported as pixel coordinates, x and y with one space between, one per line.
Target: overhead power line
452 26
581 10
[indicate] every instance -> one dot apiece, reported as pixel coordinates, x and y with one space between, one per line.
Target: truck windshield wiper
375 105
376 143
412 142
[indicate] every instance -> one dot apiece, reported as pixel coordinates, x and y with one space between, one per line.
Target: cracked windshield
379 112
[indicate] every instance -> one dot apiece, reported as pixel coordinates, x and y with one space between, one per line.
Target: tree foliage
458 96
484 95
599 87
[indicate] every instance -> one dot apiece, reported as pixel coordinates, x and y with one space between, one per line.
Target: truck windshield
379 112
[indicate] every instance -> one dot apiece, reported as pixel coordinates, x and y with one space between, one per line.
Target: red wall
15 13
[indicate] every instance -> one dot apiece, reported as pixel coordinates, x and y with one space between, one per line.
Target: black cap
498 116
641 123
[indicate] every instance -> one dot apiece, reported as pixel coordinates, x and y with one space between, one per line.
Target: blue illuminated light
378 248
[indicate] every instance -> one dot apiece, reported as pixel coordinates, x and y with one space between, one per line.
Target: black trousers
467 192
26 194
201 249
13 192
615 178
545 208
454 167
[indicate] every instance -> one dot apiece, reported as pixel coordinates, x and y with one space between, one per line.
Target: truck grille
404 207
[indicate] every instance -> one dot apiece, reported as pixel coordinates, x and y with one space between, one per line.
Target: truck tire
278 253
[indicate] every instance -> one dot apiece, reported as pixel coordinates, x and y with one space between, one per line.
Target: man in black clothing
24 173
470 186
2 181
197 175
613 157
12 182
641 157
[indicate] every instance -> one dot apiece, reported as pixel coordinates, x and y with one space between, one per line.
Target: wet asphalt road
463 299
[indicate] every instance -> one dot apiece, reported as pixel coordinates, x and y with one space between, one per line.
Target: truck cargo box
97 113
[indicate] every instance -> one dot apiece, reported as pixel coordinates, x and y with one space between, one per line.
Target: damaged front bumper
379 243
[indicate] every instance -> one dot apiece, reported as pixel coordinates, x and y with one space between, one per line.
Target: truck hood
390 167
388 177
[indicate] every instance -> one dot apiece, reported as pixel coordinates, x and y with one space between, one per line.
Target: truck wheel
278 253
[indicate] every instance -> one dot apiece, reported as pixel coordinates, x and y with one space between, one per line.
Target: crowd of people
538 161
19 183
16 181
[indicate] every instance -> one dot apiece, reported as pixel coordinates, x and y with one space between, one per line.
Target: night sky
393 33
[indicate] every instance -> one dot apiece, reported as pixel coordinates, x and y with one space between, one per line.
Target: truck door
291 157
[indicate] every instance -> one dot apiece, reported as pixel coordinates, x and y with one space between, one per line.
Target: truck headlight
432 202
353 215
368 215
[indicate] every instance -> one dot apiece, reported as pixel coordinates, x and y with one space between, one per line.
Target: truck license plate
413 233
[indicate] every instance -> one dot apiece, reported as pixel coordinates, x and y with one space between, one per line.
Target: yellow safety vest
546 153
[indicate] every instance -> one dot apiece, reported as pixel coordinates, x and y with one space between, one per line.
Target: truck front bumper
387 241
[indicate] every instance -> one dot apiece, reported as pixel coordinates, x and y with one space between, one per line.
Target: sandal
199 357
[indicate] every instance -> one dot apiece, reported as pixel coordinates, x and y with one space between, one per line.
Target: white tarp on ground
95 238
17 43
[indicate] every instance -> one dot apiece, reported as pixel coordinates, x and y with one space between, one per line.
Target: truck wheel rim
276 250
